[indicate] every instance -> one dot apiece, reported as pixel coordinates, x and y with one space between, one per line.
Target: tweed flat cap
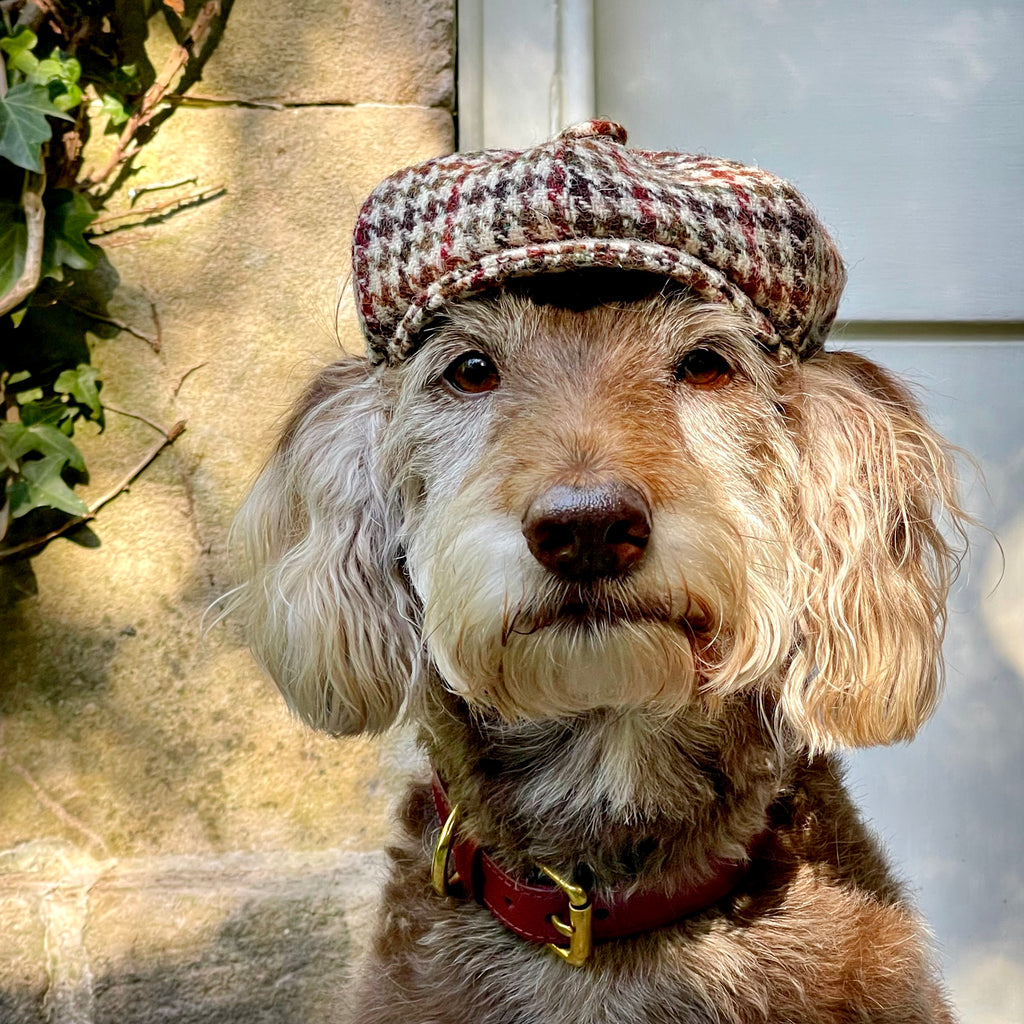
459 225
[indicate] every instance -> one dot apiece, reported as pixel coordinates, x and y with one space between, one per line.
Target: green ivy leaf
45 72
23 124
13 45
41 486
58 67
19 51
8 460
17 440
60 73
113 107
80 383
68 215
58 412
66 100
13 244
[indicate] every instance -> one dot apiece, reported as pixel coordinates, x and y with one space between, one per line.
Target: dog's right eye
472 374
704 368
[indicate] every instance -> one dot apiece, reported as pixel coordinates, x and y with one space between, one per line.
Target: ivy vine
68 69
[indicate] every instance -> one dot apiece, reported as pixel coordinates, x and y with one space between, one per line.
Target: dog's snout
583 533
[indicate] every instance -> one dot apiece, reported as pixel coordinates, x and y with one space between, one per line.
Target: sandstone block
259 938
363 51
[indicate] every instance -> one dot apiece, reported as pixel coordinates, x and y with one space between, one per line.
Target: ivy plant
66 69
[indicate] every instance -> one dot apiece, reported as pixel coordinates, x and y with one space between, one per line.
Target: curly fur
789 602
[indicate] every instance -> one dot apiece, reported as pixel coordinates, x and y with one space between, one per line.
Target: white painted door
904 125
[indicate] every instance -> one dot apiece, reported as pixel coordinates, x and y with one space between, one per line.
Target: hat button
596 128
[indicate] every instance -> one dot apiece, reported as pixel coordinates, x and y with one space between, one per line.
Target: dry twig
35 219
181 380
121 325
145 212
156 93
107 407
158 347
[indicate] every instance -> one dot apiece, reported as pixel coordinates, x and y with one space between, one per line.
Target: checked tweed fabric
456 226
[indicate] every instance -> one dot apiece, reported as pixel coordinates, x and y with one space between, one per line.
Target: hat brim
566 255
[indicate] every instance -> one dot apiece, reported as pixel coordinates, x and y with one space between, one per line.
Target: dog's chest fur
630 796
816 932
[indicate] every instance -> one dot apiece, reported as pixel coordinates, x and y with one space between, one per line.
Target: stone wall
173 846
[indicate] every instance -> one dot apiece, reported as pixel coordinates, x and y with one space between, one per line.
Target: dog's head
616 498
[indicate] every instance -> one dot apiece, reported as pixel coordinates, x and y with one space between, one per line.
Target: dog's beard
509 637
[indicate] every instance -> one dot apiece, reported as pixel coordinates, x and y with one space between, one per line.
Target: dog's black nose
584 533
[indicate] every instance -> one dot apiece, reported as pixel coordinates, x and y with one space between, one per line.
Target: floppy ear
323 599
872 568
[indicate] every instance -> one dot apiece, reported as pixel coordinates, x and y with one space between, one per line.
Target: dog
637 568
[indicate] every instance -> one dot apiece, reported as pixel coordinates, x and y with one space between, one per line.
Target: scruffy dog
601 515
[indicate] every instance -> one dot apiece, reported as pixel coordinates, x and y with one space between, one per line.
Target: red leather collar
527 909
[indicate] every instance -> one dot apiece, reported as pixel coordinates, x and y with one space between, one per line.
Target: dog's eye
472 374
704 368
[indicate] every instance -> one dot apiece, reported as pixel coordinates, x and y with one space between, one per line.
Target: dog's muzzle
588 533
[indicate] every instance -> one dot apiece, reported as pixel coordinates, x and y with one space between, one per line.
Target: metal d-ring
442 853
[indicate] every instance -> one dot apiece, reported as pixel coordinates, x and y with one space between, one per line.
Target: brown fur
817 933
627 730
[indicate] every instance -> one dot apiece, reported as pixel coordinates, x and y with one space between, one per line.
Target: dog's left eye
704 368
472 374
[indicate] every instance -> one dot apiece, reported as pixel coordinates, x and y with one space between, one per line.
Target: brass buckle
578 931
442 852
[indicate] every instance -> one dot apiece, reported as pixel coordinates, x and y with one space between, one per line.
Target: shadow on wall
277 960
70 720
280 958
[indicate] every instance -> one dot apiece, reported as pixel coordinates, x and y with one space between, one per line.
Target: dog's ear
323 598
872 567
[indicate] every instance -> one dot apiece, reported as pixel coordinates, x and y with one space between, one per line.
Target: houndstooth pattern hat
459 225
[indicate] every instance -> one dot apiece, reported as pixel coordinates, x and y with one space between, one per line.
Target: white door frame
539 56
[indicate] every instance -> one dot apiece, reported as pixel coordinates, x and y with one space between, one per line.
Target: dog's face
596 502
550 510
